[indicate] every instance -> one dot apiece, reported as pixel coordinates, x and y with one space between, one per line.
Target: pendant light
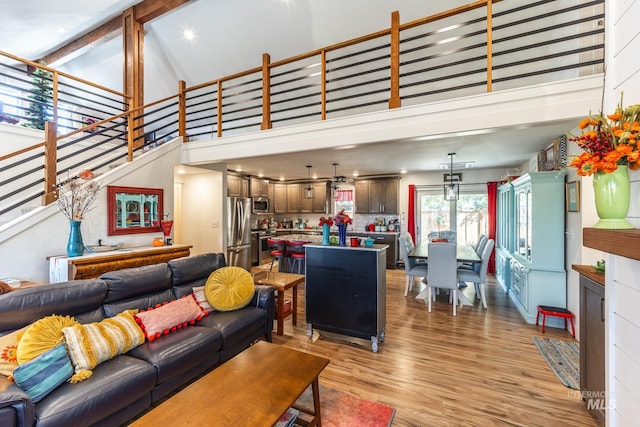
451 190
308 192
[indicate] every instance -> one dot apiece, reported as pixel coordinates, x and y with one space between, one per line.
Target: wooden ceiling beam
151 9
143 12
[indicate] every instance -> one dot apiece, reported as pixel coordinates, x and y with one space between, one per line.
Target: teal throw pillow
43 374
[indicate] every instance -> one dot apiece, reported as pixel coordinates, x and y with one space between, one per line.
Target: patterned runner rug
339 409
564 359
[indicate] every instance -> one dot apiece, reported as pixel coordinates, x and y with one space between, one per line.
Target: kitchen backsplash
360 222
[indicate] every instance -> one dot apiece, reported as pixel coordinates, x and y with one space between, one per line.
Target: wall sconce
451 189
308 192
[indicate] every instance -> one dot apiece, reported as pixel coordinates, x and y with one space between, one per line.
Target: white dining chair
478 247
450 235
412 268
442 271
433 235
479 276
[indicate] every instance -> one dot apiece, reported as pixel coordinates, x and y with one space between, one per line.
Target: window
435 213
343 199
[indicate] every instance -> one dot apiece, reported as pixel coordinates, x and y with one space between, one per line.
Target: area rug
340 409
564 359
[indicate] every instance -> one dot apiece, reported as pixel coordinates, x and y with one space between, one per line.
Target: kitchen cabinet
537 274
271 194
279 198
345 291
592 345
377 196
292 197
237 186
258 187
390 239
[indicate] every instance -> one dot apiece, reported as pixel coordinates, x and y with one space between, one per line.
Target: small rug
340 409
564 359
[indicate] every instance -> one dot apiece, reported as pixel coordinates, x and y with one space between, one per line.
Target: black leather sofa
129 384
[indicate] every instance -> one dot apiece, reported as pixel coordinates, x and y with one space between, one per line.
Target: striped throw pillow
94 343
44 373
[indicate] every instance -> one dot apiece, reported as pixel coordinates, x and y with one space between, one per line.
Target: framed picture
572 195
550 157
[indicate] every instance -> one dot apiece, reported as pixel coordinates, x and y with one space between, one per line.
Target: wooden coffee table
255 388
282 282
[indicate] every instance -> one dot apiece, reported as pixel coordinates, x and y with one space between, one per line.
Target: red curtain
492 194
411 224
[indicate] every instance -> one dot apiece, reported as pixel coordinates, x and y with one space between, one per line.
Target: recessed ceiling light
189 34
355 173
260 175
181 171
238 169
403 171
282 178
63 29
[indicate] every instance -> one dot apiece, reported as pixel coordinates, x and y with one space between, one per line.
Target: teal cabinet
531 242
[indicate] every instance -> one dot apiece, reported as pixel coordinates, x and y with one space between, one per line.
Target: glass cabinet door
523 217
521 214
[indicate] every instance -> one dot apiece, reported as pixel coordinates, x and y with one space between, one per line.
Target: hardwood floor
480 368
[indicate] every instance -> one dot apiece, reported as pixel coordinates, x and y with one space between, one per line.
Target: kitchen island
345 290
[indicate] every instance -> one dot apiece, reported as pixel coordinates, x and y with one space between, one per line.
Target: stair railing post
50 164
266 93
394 99
182 110
130 131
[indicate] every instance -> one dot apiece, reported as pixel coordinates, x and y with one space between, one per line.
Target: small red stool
546 310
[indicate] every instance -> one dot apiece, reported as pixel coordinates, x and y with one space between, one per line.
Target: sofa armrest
16 408
265 298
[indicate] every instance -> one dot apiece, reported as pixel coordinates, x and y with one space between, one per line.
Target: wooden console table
90 266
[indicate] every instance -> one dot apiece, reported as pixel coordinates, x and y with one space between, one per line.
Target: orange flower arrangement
608 141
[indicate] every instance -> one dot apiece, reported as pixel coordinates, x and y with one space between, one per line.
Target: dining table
464 253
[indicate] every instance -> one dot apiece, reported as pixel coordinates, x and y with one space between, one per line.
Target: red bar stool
296 254
277 247
546 310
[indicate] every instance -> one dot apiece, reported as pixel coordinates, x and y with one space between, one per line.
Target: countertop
376 248
590 272
335 230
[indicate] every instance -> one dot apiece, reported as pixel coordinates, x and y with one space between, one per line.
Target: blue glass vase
75 247
342 234
325 234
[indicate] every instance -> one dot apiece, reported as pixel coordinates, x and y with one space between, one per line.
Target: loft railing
481 47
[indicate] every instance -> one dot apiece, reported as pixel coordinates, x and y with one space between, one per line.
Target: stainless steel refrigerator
239 232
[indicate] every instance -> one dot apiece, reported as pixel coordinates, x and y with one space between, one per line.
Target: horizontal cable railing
480 47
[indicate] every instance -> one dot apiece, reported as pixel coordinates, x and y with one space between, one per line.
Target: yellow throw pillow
41 336
229 288
8 351
91 344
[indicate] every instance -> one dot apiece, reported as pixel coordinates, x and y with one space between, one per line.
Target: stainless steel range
260 253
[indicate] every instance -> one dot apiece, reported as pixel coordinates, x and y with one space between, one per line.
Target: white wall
26 242
201 211
622 293
14 138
